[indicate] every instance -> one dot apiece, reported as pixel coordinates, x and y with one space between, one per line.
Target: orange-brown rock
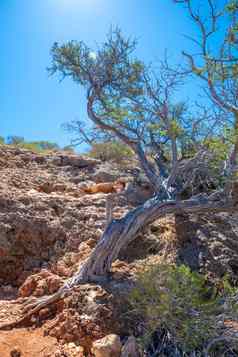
105 187
44 283
46 236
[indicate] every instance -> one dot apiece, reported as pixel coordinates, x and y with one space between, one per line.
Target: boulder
108 346
104 176
43 283
74 160
137 193
72 350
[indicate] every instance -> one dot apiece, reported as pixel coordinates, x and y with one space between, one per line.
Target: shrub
182 303
110 151
46 145
69 149
30 146
15 140
42 146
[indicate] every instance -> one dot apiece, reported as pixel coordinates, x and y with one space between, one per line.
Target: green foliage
2 140
15 140
112 62
110 151
234 69
30 146
46 145
119 77
36 146
68 148
219 146
175 129
183 303
198 71
232 6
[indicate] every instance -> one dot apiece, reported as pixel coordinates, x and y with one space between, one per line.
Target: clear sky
34 105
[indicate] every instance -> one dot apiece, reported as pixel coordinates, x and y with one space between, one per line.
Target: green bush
110 151
46 145
15 140
69 149
30 146
42 146
183 303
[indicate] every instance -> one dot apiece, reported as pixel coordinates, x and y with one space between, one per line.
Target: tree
15 140
136 106
217 65
85 134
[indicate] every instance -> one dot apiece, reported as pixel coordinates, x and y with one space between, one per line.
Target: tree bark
121 232
154 177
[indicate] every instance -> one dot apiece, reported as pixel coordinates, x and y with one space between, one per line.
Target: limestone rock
40 284
72 350
109 346
45 237
104 176
137 193
74 160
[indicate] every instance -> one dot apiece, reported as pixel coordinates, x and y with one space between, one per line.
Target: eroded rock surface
49 227
43 214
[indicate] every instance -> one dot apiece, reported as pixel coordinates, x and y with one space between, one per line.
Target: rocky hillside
49 226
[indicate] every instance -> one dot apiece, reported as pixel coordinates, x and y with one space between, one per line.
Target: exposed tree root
30 308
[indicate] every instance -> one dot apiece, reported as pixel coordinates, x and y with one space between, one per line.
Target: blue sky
32 104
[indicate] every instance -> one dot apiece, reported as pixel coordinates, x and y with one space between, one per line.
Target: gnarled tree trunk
122 231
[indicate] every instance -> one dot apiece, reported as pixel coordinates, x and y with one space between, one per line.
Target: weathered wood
109 209
122 231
